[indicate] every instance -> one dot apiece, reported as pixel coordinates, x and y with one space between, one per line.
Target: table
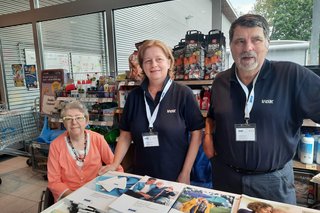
95 195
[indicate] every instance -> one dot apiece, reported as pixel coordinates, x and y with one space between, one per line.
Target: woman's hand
104 169
66 193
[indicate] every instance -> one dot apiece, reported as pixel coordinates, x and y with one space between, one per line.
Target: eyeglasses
76 118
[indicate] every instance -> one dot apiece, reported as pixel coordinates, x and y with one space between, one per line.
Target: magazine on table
116 192
251 204
98 194
197 199
150 195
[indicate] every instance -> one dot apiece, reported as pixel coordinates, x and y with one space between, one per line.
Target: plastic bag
47 135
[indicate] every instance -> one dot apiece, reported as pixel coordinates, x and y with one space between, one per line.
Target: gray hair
250 20
75 105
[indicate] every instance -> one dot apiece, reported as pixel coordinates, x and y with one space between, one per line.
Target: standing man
257 108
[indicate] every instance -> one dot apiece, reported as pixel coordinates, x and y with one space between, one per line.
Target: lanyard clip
247 120
150 129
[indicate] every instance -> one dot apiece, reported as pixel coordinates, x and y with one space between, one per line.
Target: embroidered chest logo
171 111
267 101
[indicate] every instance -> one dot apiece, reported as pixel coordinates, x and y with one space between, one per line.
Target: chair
46 200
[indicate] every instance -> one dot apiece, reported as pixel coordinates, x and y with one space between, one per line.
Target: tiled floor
21 188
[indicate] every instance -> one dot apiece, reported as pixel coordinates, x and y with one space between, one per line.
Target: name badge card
150 139
245 132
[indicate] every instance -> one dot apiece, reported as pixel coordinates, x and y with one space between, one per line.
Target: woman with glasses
77 155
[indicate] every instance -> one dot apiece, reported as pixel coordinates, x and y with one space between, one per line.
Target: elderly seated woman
78 155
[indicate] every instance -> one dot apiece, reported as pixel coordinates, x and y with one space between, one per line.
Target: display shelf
299 165
93 100
195 82
96 123
310 123
127 83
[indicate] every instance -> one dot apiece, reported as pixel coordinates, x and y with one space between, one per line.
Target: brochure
115 183
251 204
150 195
197 199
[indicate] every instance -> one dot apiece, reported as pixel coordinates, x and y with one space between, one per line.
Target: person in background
256 111
77 155
162 118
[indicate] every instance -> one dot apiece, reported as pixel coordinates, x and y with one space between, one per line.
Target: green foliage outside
289 19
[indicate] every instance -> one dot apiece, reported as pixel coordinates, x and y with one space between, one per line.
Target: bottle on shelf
311 196
306 149
316 137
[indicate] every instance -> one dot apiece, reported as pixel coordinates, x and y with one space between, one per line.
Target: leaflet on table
103 190
248 203
316 179
89 197
150 195
197 199
115 183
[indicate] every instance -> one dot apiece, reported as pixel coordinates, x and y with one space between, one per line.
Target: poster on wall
30 74
52 80
18 75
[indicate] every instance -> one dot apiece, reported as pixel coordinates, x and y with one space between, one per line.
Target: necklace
79 158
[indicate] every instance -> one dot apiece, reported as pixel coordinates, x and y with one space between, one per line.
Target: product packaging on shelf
194 55
215 51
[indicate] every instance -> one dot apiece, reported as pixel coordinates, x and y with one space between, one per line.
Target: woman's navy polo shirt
178 114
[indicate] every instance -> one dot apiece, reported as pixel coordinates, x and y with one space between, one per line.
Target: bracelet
208 133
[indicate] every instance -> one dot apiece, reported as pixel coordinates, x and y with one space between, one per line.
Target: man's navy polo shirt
285 94
178 114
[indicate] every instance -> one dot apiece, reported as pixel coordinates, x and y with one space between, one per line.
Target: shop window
46 3
20 94
75 44
167 21
8 7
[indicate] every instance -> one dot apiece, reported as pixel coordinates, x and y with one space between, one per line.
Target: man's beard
248 66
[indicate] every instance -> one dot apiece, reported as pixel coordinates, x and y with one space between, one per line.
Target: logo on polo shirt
171 111
268 101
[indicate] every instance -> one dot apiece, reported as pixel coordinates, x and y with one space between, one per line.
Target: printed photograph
115 185
153 190
255 205
200 200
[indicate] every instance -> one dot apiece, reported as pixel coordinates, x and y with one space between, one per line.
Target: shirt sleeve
193 115
56 186
309 95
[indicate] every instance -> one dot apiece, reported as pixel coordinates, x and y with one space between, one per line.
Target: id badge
246 132
150 139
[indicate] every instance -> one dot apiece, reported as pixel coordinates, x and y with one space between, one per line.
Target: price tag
120 84
311 166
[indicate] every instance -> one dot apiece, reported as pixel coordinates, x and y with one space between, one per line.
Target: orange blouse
64 173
